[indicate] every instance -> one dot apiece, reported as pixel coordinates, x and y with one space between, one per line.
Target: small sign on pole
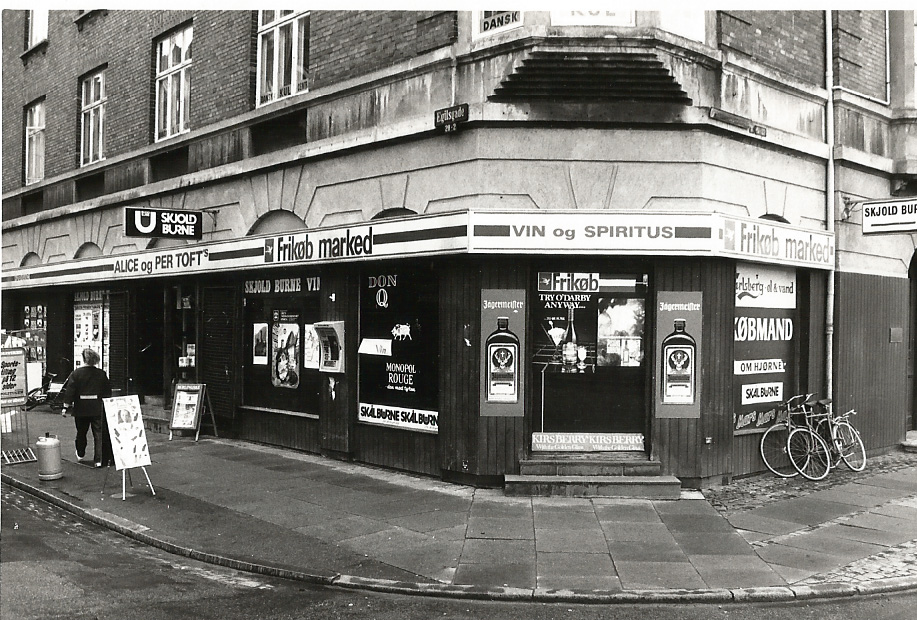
188 404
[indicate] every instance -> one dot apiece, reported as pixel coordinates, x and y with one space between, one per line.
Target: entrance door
147 311
589 362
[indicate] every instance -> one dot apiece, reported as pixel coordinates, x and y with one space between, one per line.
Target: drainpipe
829 205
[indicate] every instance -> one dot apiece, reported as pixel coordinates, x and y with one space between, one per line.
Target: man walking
84 391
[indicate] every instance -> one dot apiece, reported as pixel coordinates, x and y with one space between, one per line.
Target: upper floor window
92 118
173 83
36 27
283 54
35 142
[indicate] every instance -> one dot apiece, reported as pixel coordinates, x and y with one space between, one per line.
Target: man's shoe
79 456
98 464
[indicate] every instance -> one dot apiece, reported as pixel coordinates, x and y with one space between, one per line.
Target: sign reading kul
171 224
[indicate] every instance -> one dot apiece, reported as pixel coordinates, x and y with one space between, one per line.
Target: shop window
30 260
173 83
398 347
283 54
281 346
589 360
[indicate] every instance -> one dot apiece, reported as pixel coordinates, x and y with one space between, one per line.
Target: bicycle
842 438
773 446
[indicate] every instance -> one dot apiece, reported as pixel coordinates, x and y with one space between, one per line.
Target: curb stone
329 578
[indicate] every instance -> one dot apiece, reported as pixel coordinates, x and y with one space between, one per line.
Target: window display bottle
568 346
679 376
502 347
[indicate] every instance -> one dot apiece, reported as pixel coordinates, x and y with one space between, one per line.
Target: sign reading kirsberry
166 223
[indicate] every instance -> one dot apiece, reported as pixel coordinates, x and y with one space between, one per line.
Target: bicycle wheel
808 453
849 445
773 451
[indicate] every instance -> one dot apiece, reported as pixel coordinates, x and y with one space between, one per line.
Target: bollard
49 460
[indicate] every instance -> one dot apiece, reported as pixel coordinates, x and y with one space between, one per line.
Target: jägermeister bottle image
679 376
502 349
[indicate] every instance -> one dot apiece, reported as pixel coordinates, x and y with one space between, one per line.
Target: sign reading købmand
171 224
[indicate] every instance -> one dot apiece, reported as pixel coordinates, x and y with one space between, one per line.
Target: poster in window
285 349
310 347
259 344
620 331
399 327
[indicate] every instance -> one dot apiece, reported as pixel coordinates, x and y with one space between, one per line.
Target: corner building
452 243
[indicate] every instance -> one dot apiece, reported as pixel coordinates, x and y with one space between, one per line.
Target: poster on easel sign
128 436
186 406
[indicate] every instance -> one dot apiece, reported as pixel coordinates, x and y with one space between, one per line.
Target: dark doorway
147 343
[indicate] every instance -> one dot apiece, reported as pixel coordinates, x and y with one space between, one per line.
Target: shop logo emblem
382 298
148 227
269 250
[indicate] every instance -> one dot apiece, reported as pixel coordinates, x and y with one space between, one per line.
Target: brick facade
792 42
860 58
123 43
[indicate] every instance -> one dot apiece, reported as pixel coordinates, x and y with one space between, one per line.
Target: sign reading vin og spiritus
168 223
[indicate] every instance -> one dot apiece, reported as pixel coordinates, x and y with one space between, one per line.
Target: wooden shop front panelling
871 356
679 443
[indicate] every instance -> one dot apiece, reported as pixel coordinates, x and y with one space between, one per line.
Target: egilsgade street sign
888 216
168 223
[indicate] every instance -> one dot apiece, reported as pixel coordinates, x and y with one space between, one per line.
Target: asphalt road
54 565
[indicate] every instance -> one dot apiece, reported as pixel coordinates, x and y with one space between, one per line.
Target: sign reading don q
168 223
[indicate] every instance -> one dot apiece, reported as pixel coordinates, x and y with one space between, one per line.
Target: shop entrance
147 339
589 364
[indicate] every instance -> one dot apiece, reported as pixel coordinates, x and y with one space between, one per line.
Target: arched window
88 250
277 222
393 212
774 218
30 259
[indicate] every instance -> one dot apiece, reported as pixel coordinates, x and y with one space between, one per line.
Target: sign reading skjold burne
461 232
890 216
166 223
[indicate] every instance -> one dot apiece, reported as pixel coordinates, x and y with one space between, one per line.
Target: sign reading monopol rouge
167 223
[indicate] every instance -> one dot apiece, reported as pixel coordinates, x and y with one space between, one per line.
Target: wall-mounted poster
765 344
128 437
399 338
311 347
679 319
285 349
503 341
259 345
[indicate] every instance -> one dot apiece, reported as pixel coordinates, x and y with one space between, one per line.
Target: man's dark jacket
85 389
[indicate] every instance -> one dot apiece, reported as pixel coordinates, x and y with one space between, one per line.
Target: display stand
188 404
125 476
128 439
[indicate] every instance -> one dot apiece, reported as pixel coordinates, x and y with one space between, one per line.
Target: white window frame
35 142
38 27
269 27
92 108
175 70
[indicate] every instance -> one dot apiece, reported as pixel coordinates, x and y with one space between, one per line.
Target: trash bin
49 459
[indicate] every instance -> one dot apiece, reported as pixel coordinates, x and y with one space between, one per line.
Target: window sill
41 46
85 16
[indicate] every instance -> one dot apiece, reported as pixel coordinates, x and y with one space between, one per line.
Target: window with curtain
173 83
283 54
35 143
92 118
